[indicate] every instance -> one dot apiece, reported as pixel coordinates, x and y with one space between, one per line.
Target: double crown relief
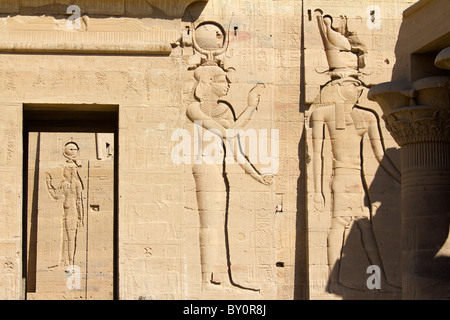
344 51
347 123
345 55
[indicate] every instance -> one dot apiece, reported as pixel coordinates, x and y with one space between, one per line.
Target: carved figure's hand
264 179
254 95
48 178
267 179
319 201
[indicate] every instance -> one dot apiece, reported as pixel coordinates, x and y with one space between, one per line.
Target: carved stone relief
418 116
70 218
415 113
81 26
233 241
70 191
339 121
90 34
217 118
10 196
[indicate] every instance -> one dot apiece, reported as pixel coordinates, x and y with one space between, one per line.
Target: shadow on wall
301 241
30 268
439 270
417 81
372 241
301 234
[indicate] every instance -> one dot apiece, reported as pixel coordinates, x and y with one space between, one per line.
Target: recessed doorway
70 201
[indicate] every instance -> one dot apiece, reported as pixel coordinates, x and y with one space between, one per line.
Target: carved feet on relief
54 267
223 287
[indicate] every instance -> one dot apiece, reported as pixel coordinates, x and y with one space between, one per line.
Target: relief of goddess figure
211 114
70 190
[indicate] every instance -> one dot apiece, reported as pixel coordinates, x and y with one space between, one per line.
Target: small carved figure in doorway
70 189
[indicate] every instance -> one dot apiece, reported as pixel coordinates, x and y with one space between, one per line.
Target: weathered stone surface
417 113
207 149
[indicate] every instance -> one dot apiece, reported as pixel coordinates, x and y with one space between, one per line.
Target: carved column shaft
418 118
425 219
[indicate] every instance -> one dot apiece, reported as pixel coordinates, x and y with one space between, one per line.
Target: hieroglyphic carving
210 113
70 190
38 34
10 144
347 122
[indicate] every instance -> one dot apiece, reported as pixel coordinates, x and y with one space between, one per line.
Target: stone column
418 117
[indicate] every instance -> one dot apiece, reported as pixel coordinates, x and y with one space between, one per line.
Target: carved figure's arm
317 140
195 114
252 106
79 202
378 150
245 164
55 193
255 174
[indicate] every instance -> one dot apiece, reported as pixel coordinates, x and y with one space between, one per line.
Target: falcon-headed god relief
347 123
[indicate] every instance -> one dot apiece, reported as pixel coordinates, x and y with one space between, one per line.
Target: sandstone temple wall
120 102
